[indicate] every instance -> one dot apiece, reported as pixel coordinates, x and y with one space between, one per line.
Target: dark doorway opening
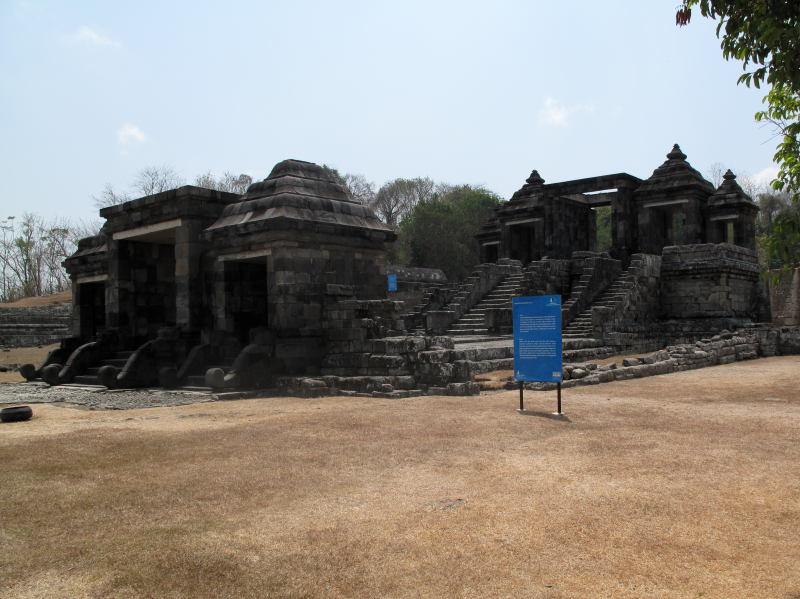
92 308
525 240
491 252
246 296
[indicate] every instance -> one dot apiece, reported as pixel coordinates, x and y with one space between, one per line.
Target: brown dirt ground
677 486
64 297
22 355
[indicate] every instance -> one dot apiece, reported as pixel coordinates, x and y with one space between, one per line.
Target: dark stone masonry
285 287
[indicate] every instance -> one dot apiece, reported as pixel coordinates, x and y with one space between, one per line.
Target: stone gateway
285 287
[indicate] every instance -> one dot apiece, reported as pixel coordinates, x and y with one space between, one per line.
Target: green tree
603 230
778 230
764 35
439 232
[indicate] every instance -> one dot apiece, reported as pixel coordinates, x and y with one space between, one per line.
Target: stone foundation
710 280
725 348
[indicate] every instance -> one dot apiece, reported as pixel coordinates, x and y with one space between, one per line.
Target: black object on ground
16 414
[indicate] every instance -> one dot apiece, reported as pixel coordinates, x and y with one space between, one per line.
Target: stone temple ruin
285 287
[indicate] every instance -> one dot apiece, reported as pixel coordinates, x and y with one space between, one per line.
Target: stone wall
710 280
784 297
548 277
727 347
29 327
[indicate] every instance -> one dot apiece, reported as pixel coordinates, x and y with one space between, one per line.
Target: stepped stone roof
297 194
675 173
731 195
533 184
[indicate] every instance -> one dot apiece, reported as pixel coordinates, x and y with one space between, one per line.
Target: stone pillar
188 282
504 249
624 223
219 296
75 319
113 288
694 229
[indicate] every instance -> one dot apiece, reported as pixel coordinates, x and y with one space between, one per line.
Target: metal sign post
537 341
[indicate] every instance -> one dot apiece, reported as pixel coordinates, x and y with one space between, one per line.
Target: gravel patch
99 399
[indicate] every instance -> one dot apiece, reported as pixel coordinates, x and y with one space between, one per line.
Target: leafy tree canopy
439 232
765 36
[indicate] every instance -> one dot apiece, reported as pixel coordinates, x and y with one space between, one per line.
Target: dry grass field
22 355
677 486
55 299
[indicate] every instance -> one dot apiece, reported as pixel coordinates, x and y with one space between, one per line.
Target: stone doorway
491 252
91 300
246 295
525 240
664 226
603 230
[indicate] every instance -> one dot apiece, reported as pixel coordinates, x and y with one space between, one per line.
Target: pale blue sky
462 92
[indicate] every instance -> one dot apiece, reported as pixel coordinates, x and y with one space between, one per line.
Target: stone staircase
472 323
90 376
29 327
581 326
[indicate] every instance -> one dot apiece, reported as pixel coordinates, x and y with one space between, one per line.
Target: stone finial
728 176
676 153
535 179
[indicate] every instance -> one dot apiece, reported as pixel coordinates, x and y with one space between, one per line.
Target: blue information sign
537 338
392 279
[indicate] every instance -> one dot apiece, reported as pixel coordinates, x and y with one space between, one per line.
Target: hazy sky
463 92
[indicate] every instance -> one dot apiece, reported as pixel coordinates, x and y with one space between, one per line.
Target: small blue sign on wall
537 338
392 280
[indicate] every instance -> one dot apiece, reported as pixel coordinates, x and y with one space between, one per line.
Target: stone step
453 333
32 326
575 343
587 354
118 362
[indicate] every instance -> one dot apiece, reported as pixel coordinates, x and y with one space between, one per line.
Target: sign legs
559 412
522 402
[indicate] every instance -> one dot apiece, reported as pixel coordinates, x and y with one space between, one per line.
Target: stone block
385 362
437 391
467 388
435 356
